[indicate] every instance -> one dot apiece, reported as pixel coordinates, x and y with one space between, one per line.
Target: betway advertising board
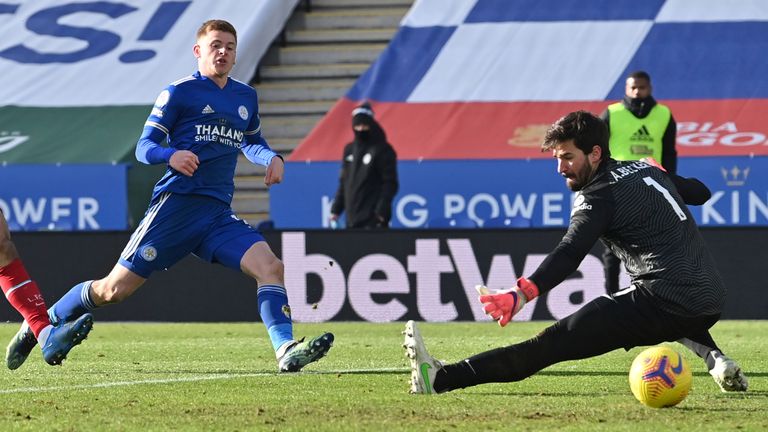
64 197
358 275
484 189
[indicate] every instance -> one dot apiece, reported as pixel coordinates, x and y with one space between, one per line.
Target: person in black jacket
368 178
639 212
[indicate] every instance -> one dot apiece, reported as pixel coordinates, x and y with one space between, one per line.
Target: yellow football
660 377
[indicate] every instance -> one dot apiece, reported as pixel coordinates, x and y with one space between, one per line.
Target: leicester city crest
149 253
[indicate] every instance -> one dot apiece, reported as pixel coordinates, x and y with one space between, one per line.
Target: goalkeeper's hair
216 25
584 128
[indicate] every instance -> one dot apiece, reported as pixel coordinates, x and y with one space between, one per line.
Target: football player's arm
255 147
693 191
586 227
260 153
149 149
256 150
156 130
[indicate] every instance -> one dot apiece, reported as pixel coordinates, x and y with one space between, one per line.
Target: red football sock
24 295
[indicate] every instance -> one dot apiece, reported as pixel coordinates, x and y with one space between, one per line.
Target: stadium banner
120 52
369 275
515 130
476 79
30 135
485 189
66 197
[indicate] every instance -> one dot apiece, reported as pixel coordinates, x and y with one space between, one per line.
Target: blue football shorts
176 225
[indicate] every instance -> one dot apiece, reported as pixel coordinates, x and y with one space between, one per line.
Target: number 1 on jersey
668 196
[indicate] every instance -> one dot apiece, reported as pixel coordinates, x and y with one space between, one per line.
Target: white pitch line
193 379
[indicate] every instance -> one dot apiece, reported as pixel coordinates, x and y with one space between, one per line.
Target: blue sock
276 314
74 303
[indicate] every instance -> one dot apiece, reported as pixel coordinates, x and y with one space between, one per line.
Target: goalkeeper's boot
296 355
424 367
19 347
728 375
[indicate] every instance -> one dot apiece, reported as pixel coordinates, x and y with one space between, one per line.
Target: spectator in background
642 128
368 179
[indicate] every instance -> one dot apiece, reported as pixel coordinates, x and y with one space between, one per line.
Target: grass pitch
222 377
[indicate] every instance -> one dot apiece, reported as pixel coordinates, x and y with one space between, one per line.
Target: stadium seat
457 222
516 221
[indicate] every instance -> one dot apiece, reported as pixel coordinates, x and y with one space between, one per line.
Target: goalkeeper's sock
276 314
705 347
455 376
73 304
507 364
24 295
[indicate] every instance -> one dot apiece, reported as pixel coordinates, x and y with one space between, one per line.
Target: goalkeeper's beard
577 181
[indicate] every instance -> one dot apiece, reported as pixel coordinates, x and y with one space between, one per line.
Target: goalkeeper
639 212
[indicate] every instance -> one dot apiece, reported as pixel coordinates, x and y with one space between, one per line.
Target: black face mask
362 135
638 102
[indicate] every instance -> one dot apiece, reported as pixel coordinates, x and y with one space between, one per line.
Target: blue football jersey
215 123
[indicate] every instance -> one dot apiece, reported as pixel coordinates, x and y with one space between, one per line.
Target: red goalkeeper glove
504 304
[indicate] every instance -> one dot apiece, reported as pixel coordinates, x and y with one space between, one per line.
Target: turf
222 377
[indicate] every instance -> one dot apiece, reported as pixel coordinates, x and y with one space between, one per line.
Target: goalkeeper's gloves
504 304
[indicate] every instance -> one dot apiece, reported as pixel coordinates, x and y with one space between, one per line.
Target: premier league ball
660 377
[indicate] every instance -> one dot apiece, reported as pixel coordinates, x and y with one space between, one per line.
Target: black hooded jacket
368 180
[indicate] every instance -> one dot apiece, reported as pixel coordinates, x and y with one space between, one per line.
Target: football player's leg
166 234
600 326
725 371
150 248
71 316
253 257
703 346
158 242
260 263
424 367
24 295
246 251
586 333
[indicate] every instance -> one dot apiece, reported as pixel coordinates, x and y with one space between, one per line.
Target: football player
639 212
